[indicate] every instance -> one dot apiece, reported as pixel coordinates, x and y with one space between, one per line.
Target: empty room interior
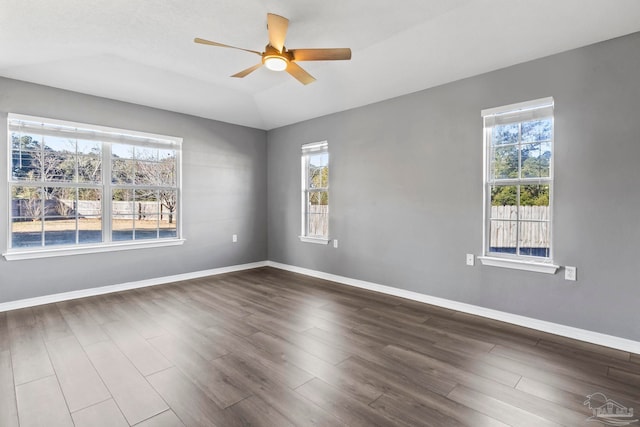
339 213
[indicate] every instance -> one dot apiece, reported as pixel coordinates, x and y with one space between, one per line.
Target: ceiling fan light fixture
275 63
277 57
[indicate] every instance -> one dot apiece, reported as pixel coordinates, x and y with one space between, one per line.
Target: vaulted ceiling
143 51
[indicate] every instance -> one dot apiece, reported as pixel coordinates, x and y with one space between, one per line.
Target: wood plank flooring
266 347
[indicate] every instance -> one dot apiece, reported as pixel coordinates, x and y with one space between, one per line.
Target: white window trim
106 134
518 106
517 262
309 148
318 240
89 249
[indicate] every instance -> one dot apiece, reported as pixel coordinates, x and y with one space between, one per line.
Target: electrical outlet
570 273
335 243
234 238
471 259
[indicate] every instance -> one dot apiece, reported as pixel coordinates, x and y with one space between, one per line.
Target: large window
315 192
73 185
519 180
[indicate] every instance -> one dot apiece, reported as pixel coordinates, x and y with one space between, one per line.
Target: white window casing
315 193
77 188
518 186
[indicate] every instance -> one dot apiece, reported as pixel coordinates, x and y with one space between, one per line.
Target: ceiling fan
278 58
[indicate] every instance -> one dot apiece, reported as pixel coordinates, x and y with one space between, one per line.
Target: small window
518 186
315 193
74 185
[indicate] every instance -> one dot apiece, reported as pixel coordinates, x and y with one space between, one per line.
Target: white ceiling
143 51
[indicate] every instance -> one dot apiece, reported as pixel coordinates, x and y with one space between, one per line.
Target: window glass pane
168 205
26 157
25 141
535 160
59 166
167 172
534 214
504 162
89 209
59 145
25 232
505 134
122 228
168 225
534 195
26 217
121 151
318 170
149 173
122 204
23 166
166 155
147 195
59 215
504 213
534 238
89 168
61 201
318 214
59 230
319 177
536 130
89 147
123 171
146 203
145 153
504 195
503 236
147 227
318 198
26 202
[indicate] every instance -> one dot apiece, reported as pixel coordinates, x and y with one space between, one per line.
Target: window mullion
107 192
43 206
518 209
518 220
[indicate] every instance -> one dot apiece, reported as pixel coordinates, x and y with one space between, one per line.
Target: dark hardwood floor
267 347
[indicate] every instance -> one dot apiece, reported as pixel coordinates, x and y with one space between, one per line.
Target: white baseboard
528 322
65 296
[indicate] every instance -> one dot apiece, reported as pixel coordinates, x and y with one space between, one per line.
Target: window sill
89 249
317 240
538 267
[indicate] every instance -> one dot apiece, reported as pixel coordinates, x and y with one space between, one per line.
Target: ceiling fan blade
203 41
321 54
300 74
277 27
248 71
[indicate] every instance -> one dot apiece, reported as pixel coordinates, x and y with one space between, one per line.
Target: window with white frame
518 141
315 192
74 185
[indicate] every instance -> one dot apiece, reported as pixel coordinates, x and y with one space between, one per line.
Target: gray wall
406 190
224 183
